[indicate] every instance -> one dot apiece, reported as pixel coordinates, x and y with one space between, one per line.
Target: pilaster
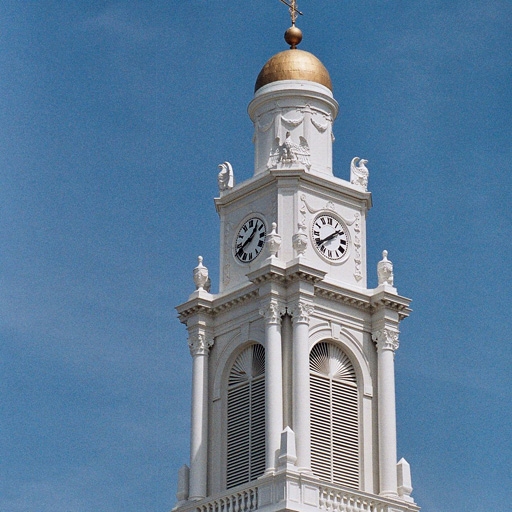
301 310
199 342
272 310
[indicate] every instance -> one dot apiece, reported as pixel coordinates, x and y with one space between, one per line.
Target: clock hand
251 236
330 237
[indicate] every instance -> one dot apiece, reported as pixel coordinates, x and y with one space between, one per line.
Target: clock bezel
237 231
343 225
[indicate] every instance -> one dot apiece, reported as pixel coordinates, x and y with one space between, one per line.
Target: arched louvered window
334 416
246 417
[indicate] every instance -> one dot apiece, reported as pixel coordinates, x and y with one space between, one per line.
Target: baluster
321 499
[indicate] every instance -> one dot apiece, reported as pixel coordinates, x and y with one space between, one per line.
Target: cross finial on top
292 4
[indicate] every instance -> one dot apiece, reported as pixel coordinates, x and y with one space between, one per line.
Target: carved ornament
300 240
301 312
289 152
357 247
359 172
272 312
386 339
199 344
225 178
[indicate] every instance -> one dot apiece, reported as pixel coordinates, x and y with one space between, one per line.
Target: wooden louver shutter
334 416
246 417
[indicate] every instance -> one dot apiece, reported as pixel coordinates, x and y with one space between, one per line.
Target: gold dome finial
293 9
293 36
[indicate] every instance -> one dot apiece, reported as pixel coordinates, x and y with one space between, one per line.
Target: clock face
250 240
330 237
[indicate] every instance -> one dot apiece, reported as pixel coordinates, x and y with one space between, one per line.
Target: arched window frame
245 416
336 437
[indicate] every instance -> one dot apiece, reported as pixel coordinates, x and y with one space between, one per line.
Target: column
387 342
272 312
301 312
199 346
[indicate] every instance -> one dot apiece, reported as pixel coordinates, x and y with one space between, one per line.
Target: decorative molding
329 205
300 240
386 339
264 127
358 274
293 122
321 127
272 311
303 209
344 298
301 312
199 344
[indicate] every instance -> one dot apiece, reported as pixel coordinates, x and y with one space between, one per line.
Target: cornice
365 300
384 299
329 183
369 302
295 272
344 296
217 304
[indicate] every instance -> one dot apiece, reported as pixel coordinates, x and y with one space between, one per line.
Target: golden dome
293 64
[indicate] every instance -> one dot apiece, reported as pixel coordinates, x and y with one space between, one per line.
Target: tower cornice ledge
296 271
371 301
217 304
345 295
250 186
382 299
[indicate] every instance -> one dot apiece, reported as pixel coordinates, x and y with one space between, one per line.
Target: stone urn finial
200 275
273 241
385 270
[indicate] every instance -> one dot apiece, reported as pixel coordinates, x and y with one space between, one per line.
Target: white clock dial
250 240
329 237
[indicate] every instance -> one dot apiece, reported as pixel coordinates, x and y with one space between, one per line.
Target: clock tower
293 392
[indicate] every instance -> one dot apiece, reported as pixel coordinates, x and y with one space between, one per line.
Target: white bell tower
293 392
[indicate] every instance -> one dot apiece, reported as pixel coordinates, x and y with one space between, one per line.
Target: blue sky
113 119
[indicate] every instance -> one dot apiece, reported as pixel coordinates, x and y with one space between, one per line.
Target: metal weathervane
292 5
